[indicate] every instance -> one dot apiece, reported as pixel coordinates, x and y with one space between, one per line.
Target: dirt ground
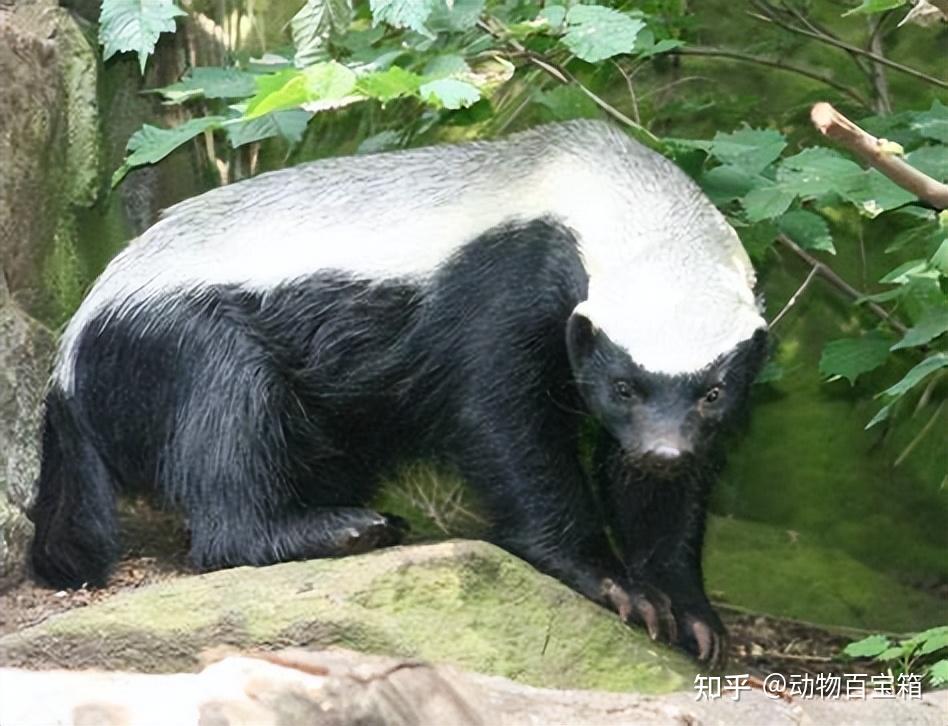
759 644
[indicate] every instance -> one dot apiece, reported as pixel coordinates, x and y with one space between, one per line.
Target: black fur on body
269 419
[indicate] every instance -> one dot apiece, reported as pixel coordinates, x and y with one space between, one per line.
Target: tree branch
834 125
799 70
564 76
839 283
849 48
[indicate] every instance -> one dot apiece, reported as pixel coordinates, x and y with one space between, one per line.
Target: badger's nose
666 452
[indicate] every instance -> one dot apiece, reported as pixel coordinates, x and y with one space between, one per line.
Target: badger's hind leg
253 465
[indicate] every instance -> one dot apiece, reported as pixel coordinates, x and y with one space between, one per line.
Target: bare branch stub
834 125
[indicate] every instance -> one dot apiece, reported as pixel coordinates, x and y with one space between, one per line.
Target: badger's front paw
702 634
643 604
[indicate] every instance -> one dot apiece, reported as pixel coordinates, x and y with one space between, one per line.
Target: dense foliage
476 65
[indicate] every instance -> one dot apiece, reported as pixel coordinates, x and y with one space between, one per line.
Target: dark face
660 421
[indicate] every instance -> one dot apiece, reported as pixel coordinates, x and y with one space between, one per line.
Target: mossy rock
463 602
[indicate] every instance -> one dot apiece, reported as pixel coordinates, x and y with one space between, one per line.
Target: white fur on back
669 280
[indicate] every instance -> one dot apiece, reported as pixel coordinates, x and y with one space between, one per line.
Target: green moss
787 574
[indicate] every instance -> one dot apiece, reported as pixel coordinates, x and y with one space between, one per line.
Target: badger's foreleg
659 526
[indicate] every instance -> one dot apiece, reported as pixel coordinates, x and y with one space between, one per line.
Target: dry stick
788 67
796 296
839 283
834 125
849 48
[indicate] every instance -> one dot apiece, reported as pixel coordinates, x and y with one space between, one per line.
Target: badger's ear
580 336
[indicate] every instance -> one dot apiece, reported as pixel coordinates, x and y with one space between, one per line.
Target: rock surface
341 687
467 603
26 350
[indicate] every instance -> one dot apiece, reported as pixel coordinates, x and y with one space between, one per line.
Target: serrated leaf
875 6
450 93
446 66
456 16
767 202
150 143
938 672
867 647
933 160
389 85
849 358
808 230
595 32
325 82
874 193
817 171
752 150
412 14
918 374
134 25
933 323
312 26
933 124
289 125
210 82
905 272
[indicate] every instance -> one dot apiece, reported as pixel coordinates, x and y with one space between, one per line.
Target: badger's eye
713 394
623 389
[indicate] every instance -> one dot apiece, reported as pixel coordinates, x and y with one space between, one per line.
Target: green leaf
767 202
881 415
312 26
412 14
289 125
938 672
567 102
808 230
210 82
757 238
389 85
456 16
896 651
728 183
933 124
750 149
134 25
918 374
594 32
934 642
933 160
849 358
874 193
446 66
939 260
867 647
555 15
875 6
291 89
816 171
150 143
450 93
905 272
933 323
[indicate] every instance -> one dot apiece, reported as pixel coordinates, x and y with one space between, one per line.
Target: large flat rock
466 603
